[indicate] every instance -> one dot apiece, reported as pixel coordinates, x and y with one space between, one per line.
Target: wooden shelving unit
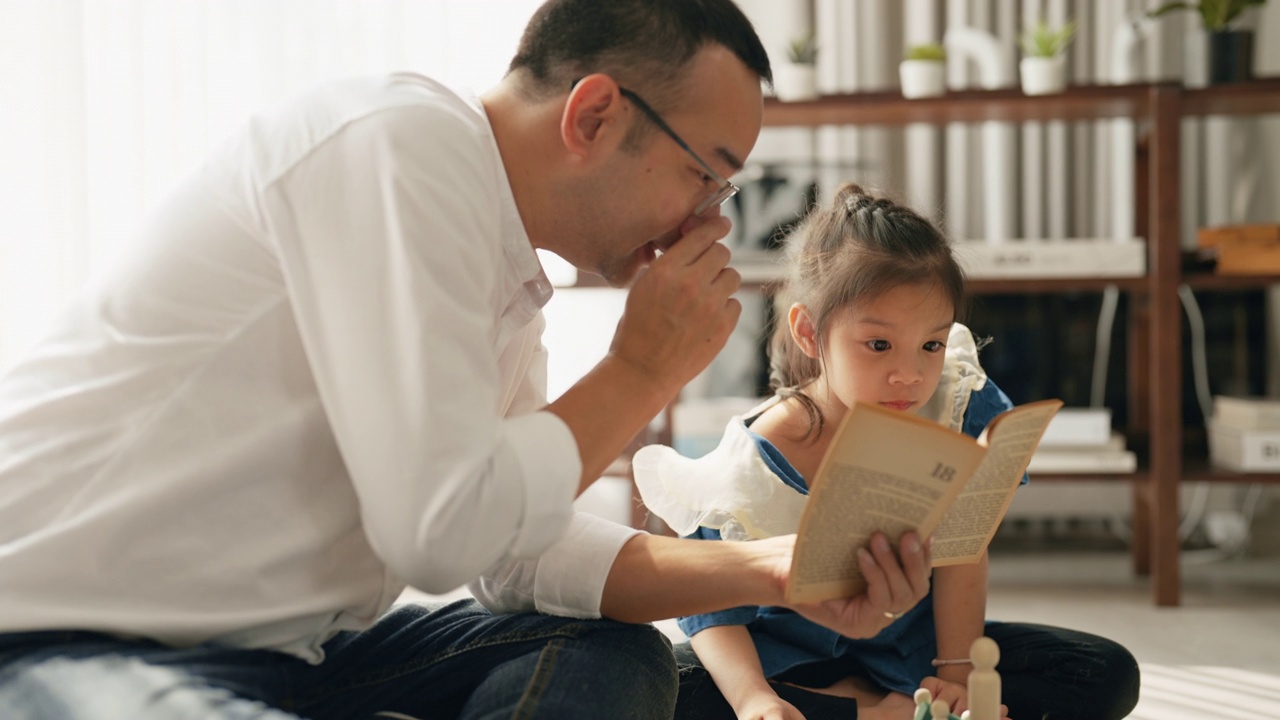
1155 341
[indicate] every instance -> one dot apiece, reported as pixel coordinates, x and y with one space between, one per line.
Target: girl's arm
959 612
730 657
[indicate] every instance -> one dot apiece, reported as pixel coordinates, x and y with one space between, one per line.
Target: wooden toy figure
984 681
923 699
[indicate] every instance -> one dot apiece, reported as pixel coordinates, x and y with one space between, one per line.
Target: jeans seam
528 702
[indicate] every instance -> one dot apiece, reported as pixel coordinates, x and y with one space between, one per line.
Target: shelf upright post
1164 247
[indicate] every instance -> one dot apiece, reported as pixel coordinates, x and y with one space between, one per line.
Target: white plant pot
923 78
1043 75
792 82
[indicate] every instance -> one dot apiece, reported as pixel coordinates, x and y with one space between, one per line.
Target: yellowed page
975 515
886 471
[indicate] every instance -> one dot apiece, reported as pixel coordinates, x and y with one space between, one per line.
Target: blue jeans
452 661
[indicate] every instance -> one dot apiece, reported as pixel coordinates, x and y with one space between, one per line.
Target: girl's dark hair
854 250
642 44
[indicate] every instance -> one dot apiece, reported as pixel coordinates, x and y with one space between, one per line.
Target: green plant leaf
1214 14
803 50
926 51
1042 41
1170 7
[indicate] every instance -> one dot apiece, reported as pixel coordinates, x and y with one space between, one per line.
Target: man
319 378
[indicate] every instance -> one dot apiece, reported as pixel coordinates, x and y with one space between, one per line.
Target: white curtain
104 104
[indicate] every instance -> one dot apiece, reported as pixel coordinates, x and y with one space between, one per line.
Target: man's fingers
878 594
727 281
902 595
916 562
692 222
713 260
693 243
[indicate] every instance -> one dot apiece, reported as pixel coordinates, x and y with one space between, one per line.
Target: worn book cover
891 472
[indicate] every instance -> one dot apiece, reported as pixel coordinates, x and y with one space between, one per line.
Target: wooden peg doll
984 681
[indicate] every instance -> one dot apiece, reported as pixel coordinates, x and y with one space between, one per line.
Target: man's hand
680 312
678 316
893 587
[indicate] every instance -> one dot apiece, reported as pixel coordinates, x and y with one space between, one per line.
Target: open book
891 471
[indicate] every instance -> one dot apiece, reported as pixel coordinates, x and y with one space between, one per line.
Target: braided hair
852 251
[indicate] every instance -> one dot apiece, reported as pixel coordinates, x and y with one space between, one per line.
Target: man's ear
803 330
592 115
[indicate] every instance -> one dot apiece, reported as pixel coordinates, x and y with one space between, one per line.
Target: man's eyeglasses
724 188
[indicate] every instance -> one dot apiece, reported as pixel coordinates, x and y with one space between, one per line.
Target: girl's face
888 351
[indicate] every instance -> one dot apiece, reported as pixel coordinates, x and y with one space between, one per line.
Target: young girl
871 305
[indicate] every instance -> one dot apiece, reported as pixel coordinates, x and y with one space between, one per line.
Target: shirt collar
516 245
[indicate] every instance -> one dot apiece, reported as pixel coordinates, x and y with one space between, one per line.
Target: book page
975 515
886 471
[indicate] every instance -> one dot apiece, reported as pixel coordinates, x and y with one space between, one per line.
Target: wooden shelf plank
1214 281
1079 102
1198 469
1219 475
1254 97
989 286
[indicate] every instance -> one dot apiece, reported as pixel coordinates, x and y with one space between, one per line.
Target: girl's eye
935 346
878 345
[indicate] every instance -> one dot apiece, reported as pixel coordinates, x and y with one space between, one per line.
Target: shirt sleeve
389 242
566 580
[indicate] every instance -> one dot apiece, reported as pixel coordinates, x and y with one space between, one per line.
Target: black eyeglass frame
724 188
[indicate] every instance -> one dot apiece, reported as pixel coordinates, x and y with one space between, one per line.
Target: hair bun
854 196
848 190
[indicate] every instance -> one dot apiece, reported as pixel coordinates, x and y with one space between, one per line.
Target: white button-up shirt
317 377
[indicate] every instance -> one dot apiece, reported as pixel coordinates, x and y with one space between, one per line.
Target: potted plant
1229 51
923 71
797 78
1043 67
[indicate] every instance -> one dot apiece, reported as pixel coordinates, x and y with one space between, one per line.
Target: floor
1216 657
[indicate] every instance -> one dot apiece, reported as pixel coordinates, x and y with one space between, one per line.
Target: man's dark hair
642 44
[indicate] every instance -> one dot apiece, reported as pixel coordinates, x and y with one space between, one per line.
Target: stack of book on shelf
1244 433
1071 258
1005 260
1080 440
1242 249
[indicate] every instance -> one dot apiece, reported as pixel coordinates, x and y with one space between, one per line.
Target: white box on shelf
1070 258
1247 412
1082 461
1116 443
1079 426
1244 450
